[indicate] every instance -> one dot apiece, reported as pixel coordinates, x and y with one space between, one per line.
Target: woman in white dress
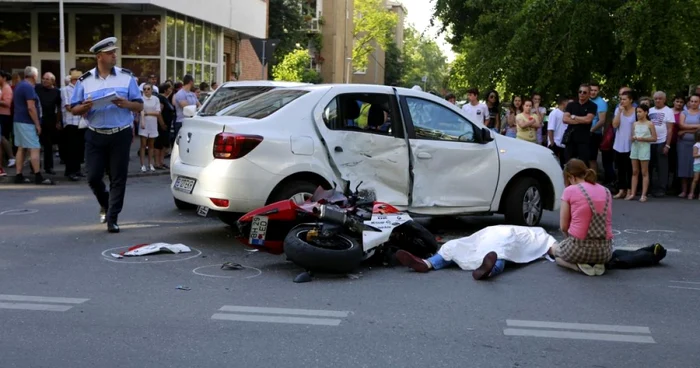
150 116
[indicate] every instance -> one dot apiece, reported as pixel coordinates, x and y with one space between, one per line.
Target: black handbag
566 138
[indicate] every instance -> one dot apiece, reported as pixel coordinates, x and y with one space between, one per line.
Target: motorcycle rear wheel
340 254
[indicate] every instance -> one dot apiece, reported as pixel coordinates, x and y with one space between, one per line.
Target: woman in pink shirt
585 220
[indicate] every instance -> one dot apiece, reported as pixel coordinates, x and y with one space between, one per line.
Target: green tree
373 28
554 45
294 67
393 65
287 25
423 57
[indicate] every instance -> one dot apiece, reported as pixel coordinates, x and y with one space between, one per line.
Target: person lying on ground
486 251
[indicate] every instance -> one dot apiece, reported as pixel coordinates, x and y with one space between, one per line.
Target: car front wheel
524 203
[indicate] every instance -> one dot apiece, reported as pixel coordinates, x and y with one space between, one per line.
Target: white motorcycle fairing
385 225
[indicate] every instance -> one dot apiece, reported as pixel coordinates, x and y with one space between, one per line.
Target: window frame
397 130
410 127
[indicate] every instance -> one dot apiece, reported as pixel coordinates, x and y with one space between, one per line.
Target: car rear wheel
182 205
299 191
524 203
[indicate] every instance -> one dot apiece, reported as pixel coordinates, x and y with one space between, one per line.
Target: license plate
202 211
258 229
184 184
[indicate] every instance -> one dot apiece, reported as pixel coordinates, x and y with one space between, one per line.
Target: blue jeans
438 263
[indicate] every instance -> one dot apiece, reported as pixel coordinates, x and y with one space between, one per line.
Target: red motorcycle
334 232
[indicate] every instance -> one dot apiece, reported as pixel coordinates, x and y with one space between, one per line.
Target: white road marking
34 303
578 326
287 311
684 287
686 282
41 299
280 315
276 319
579 335
557 330
36 307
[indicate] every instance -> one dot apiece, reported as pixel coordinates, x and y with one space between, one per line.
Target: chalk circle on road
151 258
18 212
215 271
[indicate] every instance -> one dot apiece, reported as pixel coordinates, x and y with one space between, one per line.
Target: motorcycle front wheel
338 254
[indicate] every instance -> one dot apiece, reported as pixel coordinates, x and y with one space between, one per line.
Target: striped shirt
66 96
93 86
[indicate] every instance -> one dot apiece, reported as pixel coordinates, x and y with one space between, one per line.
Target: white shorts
151 129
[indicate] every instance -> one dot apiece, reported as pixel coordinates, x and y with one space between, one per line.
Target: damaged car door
363 135
455 167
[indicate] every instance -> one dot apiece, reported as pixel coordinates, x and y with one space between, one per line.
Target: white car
414 150
230 94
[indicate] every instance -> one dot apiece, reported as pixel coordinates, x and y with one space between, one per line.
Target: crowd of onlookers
646 146
62 134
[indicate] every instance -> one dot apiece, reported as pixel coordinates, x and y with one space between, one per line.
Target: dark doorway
53 66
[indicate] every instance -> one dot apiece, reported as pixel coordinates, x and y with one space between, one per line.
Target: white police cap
108 44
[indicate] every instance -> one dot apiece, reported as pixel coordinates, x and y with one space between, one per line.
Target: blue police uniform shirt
121 81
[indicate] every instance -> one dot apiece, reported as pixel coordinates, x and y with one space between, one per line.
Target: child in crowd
643 135
696 164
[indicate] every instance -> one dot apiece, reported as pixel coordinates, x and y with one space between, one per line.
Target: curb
60 179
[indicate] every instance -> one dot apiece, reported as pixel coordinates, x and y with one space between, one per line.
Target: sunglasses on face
582 92
146 89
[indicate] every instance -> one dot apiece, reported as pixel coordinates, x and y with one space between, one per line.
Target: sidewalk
134 169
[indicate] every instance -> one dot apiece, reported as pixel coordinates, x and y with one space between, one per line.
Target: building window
207 44
171 34
92 28
15 32
141 35
194 49
170 70
180 25
191 41
142 67
12 64
85 63
49 32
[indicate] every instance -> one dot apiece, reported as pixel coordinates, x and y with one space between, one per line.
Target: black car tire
291 189
314 258
525 190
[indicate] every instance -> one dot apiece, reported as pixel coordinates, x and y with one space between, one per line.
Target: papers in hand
106 100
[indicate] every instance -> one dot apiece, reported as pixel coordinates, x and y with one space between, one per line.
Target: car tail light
219 202
230 146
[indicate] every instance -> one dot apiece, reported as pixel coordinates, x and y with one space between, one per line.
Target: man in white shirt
74 143
556 128
663 119
476 111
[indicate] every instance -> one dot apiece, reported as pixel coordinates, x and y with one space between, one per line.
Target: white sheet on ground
519 244
155 248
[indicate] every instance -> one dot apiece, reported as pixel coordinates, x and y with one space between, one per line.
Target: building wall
401 19
250 66
337 40
246 16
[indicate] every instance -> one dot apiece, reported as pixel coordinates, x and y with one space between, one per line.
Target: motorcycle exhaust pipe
330 214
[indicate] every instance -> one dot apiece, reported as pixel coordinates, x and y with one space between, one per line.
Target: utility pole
264 46
62 46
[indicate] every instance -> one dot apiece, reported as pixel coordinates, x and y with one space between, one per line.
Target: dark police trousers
108 152
73 147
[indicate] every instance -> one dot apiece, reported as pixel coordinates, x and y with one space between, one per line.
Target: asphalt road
130 313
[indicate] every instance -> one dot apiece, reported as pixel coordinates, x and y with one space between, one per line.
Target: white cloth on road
519 244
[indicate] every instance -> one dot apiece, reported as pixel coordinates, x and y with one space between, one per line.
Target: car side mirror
486 135
189 111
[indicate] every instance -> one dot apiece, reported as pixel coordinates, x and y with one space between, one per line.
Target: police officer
109 134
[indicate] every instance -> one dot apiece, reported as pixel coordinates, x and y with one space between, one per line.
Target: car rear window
266 104
224 97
